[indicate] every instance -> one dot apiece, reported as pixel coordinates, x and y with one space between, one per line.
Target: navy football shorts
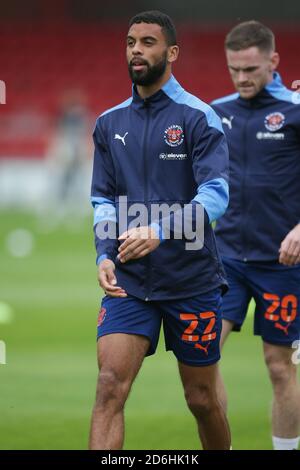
192 326
276 291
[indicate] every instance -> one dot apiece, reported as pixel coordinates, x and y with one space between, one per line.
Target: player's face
147 53
251 69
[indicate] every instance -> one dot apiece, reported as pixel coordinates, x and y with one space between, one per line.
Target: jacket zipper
146 196
244 205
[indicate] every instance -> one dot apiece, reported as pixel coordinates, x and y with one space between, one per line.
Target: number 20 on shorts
287 304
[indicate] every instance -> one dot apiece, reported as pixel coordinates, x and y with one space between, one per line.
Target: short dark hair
157 17
249 34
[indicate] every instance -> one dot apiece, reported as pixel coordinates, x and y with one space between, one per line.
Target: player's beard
151 74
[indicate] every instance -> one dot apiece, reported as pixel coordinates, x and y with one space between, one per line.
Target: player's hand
290 248
107 279
138 242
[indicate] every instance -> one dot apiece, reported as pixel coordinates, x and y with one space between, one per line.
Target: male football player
259 236
162 145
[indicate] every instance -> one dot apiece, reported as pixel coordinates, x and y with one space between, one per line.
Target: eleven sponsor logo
270 136
172 156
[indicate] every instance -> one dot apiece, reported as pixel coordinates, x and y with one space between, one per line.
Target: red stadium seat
40 62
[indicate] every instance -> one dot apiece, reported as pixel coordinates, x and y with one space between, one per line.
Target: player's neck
146 91
267 82
270 78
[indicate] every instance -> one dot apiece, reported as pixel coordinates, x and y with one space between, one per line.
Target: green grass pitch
47 386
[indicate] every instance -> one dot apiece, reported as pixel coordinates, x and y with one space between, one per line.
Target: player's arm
289 251
210 167
105 218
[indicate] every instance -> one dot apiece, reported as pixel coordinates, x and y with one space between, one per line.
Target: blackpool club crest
174 135
274 121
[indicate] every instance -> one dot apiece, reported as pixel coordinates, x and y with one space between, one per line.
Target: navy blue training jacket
263 136
168 148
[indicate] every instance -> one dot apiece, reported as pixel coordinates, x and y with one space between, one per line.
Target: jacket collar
275 85
161 98
266 95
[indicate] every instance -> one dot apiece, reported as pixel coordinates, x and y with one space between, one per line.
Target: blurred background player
259 235
150 279
66 158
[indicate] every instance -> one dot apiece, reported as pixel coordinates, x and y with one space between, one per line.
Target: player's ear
275 60
173 52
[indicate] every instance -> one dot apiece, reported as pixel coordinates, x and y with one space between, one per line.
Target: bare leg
120 357
286 391
221 391
201 395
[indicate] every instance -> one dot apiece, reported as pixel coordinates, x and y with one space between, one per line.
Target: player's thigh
128 330
236 300
122 354
227 327
129 316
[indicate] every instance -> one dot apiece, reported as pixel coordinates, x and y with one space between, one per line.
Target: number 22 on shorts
208 335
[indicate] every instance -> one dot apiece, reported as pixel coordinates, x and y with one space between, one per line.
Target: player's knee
201 400
111 389
280 372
